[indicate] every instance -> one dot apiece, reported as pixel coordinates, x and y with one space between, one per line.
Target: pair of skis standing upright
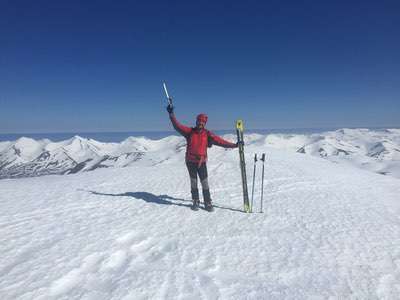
240 132
247 207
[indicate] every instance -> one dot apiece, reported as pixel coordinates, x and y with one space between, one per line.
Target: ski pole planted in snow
254 176
262 182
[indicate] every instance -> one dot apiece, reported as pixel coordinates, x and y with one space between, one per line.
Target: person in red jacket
198 139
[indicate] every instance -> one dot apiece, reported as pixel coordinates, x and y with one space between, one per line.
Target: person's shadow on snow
160 199
147 197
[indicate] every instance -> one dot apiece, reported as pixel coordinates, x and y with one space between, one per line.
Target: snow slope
328 231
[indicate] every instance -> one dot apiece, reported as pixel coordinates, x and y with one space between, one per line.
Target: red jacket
198 140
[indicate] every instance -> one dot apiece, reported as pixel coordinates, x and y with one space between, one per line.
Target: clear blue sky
70 66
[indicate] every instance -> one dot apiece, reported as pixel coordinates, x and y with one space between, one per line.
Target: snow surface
328 231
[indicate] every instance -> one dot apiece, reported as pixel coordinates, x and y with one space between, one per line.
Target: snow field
328 231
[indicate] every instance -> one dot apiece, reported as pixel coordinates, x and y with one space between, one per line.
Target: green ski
239 131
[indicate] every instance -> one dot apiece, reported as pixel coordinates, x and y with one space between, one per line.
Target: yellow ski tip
247 208
239 124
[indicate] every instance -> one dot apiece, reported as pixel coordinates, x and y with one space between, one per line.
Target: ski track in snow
327 231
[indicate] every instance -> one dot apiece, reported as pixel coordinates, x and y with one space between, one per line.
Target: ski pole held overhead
166 93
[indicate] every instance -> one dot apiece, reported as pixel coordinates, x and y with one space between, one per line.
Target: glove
170 108
239 143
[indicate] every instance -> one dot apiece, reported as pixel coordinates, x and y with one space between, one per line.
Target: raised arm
182 129
219 141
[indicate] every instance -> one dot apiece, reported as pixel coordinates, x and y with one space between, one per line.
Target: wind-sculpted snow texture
377 151
328 231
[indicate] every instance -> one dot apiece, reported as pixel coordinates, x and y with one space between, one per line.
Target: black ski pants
201 171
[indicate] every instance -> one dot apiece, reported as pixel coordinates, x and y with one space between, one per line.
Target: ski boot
207 201
195 205
208 206
195 198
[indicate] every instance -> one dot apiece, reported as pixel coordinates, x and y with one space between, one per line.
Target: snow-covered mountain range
375 150
28 158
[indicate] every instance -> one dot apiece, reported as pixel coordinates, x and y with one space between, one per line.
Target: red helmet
202 118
